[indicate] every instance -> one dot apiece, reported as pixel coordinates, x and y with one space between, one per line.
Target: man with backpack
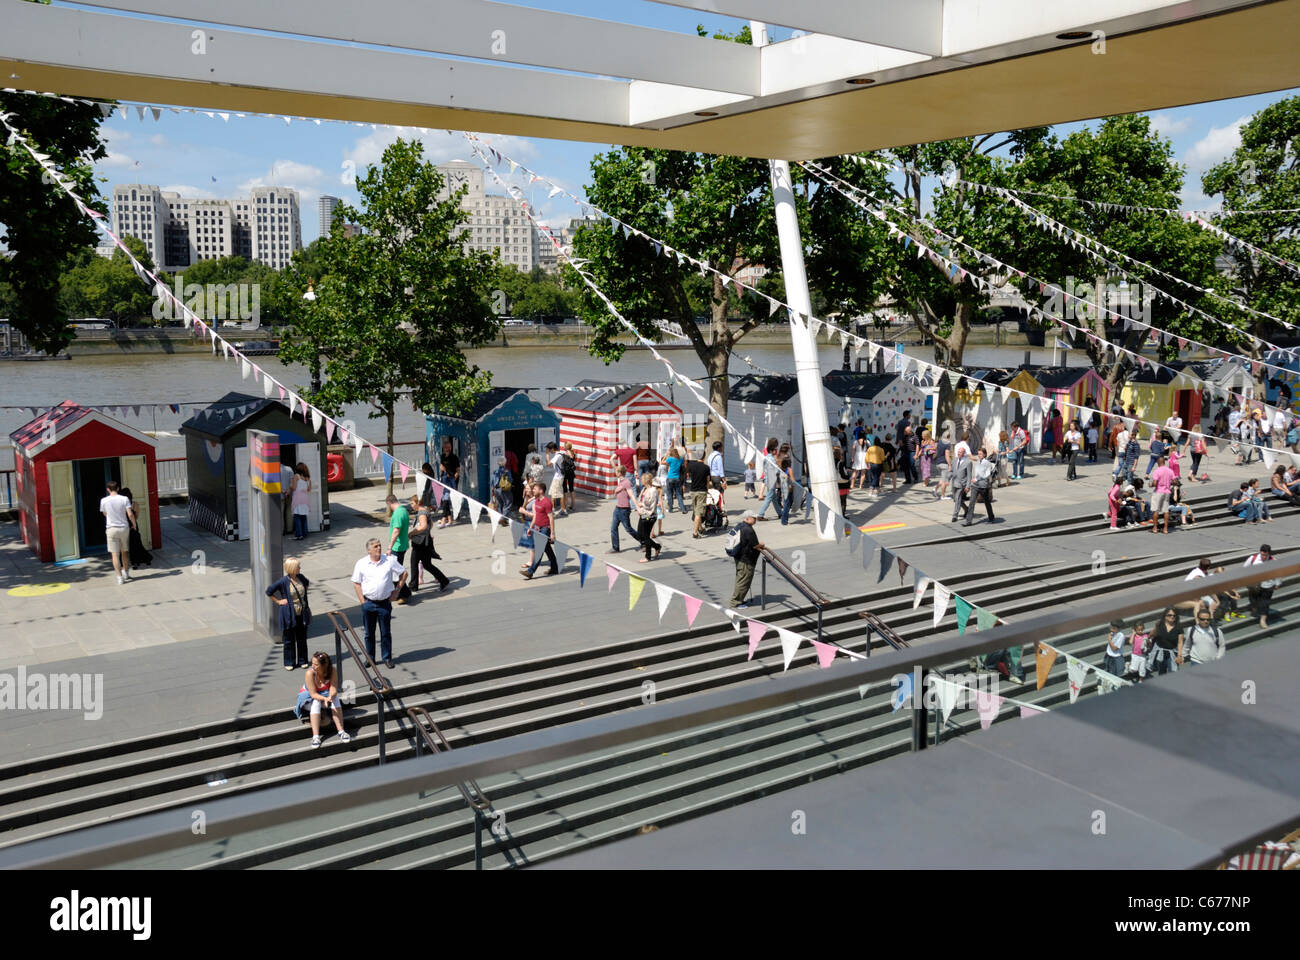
743 546
1203 641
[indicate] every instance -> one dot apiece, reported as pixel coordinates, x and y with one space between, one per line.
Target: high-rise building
179 231
495 222
326 207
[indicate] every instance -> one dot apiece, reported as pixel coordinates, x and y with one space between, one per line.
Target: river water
190 379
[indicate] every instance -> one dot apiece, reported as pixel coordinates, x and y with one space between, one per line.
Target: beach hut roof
1153 376
860 386
755 388
227 415
1057 378
35 435
598 396
485 404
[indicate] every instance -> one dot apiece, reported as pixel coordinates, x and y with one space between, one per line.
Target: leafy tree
1264 174
1123 162
717 208
107 287
41 226
395 303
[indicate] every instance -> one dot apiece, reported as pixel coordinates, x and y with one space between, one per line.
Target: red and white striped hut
597 418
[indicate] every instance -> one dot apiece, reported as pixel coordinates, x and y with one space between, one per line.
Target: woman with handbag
422 552
647 511
320 689
1070 449
503 489
295 614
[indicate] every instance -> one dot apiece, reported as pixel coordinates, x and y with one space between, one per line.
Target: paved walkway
175 645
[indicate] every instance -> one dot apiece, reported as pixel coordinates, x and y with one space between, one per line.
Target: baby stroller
715 517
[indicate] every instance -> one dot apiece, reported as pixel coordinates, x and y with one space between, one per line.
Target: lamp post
310 297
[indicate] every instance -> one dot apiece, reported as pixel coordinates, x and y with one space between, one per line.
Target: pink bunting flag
343 436
1030 712
756 632
825 653
257 373
612 573
693 605
406 472
282 394
987 705
437 491
374 454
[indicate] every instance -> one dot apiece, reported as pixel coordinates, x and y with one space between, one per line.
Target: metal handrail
430 736
115 842
345 635
810 593
887 633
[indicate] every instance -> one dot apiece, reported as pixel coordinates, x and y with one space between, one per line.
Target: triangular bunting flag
693 605
987 704
1044 657
474 508
1077 670
948 693
984 619
635 586
561 550
789 645
1030 711
540 540
757 630
585 560
902 570
664 594
941 597
612 573
493 516
919 582
825 653
964 610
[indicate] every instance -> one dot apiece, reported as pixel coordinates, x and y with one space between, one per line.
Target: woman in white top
859 462
1070 445
556 491
301 489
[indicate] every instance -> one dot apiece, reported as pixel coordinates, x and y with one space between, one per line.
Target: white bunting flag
492 515
474 510
457 498
246 368
664 594
948 693
267 384
789 645
316 419
919 582
942 596
1077 670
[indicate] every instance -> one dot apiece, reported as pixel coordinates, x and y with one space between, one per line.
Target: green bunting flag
984 619
963 613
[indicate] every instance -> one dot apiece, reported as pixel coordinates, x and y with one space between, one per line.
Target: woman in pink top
1174 461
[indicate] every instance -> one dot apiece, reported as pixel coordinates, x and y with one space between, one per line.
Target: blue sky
203 157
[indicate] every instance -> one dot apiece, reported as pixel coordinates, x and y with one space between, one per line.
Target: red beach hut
63 461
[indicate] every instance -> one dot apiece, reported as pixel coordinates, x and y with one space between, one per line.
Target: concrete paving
175 645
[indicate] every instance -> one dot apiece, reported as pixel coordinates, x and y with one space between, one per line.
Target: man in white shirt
717 475
1175 427
1203 641
119 518
375 577
1121 444
1279 429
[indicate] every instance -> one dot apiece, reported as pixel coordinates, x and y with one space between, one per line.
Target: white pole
812 406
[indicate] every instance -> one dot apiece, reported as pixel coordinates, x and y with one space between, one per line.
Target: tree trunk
956 341
719 390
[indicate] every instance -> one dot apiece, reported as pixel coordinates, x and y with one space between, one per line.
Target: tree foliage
394 304
40 226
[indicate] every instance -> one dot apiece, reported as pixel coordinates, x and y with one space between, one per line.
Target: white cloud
438 147
1167 125
158 140
1215 145
185 190
115 159
114 134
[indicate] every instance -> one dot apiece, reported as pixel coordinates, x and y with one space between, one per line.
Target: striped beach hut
598 418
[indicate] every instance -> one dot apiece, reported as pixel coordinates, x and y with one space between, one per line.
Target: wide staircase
527 816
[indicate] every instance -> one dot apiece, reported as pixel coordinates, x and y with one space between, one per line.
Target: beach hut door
309 453
545 435
63 510
241 490
135 477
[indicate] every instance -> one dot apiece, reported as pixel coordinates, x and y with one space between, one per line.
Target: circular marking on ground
38 589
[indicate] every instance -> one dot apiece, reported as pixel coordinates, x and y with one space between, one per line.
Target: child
1114 662
1137 663
1091 441
750 479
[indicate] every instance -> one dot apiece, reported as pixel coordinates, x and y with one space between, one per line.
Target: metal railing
345 636
167 830
810 593
431 737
